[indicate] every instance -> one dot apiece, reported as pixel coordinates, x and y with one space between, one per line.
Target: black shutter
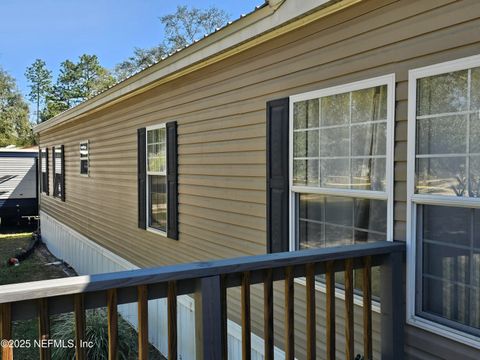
54 176
46 186
277 176
142 177
172 181
62 179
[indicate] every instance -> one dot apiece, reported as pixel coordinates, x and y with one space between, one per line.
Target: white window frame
44 162
389 81
161 173
88 157
54 171
414 199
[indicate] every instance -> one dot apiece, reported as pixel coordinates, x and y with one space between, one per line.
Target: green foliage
181 28
76 83
15 128
96 332
40 83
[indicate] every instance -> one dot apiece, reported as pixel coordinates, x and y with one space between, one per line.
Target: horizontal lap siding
220 112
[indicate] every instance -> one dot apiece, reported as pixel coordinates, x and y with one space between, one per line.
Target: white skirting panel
88 258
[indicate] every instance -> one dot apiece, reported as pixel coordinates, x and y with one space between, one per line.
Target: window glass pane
335 141
441 176
442 93
475 89
335 110
156 157
312 234
305 172
338 235
157 202
343 219
339 210
450 264
352 125
58 160
44 160
474 144
474 178
335 173
305 114
311 207
371 215
305 143
369 174
369 104
443 135
369 139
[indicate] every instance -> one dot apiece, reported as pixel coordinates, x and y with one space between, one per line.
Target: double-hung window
58 162
156 178
84 158
341 164
444 199
44 170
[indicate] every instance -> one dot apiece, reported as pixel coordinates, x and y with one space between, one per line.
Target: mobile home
304 124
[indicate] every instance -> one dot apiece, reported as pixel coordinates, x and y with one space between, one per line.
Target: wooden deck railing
210 280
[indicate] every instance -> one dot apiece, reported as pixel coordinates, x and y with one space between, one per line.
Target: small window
58 172
44 170
84 160
444 199
157 178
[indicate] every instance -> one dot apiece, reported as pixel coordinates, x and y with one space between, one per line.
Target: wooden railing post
80 325
289 314
112 319
268 315
246 321
330 311
212 295
142 292
392 307
44 328
6 330
172 320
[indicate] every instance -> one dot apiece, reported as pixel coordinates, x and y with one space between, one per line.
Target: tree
187 24
140 60
76 83
92 78
40 82
181 28
15 128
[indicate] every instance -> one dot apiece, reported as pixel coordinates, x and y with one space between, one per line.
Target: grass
33 269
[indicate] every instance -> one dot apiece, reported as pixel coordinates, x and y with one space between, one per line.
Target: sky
56 30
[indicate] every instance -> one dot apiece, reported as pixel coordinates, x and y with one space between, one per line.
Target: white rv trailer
18 185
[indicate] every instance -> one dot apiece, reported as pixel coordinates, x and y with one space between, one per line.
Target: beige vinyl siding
220 112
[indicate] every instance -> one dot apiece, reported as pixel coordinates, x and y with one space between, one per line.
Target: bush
96 331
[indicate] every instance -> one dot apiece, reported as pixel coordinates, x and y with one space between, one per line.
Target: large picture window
156 178
341 164
443 195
